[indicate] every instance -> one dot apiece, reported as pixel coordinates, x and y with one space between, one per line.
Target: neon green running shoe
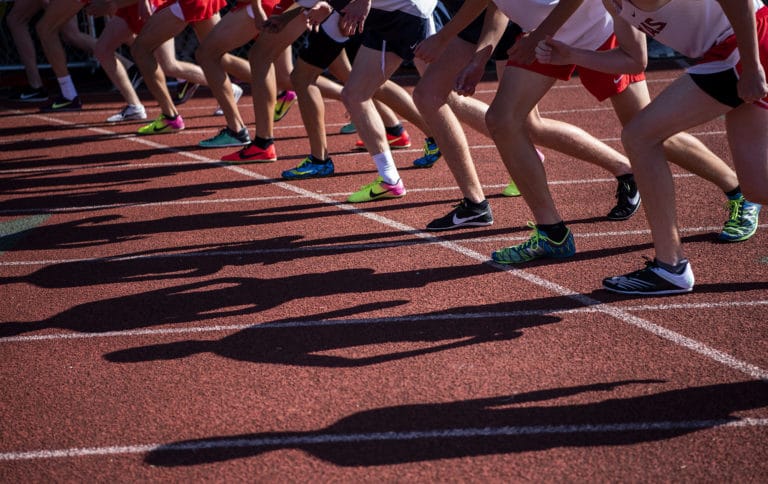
511 189
537 247
161 125
742 220
377 190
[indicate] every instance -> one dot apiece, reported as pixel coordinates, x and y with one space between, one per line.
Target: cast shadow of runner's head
488 426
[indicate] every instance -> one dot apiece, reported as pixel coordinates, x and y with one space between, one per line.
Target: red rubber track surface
166 317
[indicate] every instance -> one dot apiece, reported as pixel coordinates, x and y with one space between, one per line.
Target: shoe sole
619 219
248 162
230 145
304 177
738 239
159 132
382 197
460 226
667 292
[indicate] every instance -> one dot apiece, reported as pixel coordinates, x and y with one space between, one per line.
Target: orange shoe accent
395 142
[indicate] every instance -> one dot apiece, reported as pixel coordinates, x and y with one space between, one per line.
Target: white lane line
621 315
297 439
417 318
80 208
331 248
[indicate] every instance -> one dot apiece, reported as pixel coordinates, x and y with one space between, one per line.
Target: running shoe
237 92
252 154
283 103
62 104
652 280
377 190
348 128
742 222
511 190
30 94
227 137
464 214
627 201
538 246
184 92
431 154
309 169
162 125
130 112
395 142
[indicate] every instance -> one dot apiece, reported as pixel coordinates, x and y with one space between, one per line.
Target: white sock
385 164
67 87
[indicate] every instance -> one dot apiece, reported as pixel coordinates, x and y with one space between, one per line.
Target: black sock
318 161
734 194
678 268
170 118
629 179
263 143
481 206
395 130
556 232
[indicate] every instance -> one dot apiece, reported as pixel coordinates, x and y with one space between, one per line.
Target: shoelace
533 241
734 206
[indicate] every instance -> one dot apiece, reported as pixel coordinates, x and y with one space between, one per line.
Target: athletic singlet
691 27
588 28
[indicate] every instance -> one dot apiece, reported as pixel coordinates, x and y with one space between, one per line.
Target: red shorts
131 14
199 10
600 84
271 7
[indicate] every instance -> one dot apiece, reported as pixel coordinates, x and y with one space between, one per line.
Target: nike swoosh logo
154 128
618 79
460 220
636 199
60 105
24 97
373 194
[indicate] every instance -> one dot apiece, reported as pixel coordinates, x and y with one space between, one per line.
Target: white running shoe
128 113
237 91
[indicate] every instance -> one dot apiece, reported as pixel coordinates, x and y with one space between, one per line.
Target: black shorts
721 86
396 32
320 50
472 33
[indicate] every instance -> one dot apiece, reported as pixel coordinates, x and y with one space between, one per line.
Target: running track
166 317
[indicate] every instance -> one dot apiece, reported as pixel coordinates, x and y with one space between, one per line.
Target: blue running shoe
537 247
742 221
431 154
308 169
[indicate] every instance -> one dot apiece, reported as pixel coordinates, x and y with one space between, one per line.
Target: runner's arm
752 85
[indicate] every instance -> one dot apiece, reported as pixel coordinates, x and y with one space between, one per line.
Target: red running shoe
252 153
395 142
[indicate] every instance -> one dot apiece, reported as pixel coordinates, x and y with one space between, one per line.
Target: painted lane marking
319 438
616 312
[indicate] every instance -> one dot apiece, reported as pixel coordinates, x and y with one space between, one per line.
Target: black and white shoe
30 94
465 214
627 201
652 280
